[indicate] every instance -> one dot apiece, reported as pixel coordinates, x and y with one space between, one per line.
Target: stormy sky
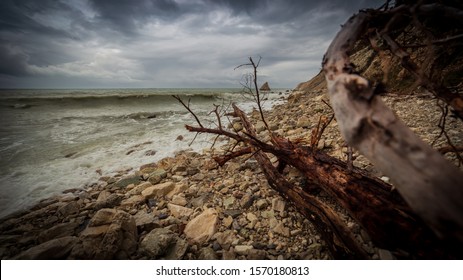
164 43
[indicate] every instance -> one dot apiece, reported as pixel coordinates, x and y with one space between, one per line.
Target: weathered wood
431 185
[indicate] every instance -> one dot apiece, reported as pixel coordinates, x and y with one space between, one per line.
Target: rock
102 196
233 212
177 251
139 188
228 202
111 234
260 126
229 255
108 202
158 190
207 253
179 211
60 230
227 221
145 221
148 168
156 242
200 200
51 250
254 254
237 126
179 138
179 200
247 200
179 168
179 188
303 122
267 214
68 209
156 176
251 217
127 180
243 249
201 228
261 204
278 205
225 239
133 201
282 230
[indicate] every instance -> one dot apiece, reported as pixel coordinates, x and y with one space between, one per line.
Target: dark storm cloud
156 43
127 15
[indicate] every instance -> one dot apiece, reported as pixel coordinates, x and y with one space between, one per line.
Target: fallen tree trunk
432 186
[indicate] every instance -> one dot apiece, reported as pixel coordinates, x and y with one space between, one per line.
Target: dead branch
177 97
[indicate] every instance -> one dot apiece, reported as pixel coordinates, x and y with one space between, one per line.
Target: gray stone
127 180
51 250
156 176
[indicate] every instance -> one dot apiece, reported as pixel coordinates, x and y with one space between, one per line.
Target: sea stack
265 87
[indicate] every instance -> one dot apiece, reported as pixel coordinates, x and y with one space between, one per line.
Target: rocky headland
187 207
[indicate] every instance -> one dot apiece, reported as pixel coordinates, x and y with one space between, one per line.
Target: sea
58 139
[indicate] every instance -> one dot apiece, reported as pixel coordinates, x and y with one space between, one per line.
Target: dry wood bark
431 185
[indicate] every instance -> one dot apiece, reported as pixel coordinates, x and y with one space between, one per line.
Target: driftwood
431 185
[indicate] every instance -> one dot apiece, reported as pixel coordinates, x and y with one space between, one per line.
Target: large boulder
111 234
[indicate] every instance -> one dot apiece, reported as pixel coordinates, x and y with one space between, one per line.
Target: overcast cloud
164 43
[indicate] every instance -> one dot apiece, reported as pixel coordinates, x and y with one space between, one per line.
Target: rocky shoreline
187 207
